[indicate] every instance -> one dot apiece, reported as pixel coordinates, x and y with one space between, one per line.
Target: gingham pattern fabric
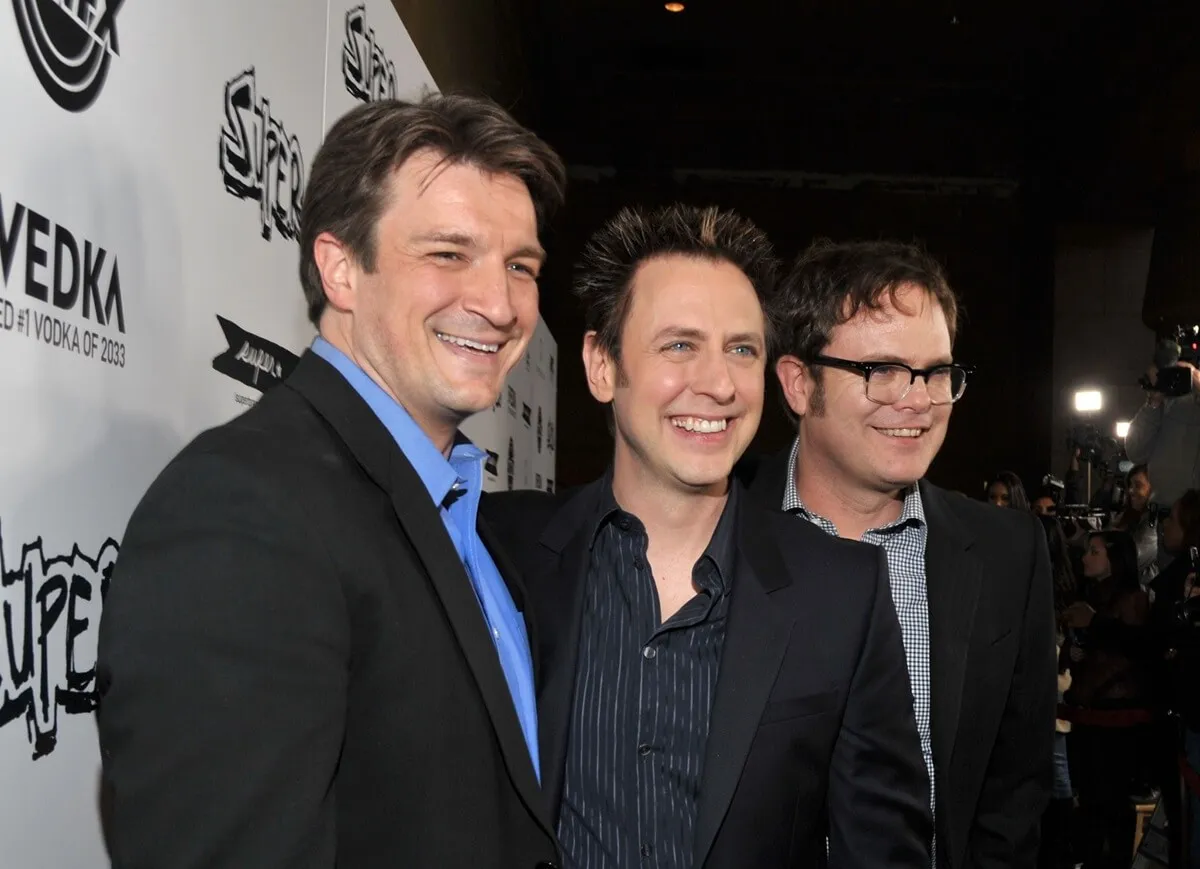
903 542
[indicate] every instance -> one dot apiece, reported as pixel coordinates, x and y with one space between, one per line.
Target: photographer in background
1140 519
1165 433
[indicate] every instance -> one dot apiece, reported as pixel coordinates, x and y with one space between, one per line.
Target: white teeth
901 432
704 426
468 343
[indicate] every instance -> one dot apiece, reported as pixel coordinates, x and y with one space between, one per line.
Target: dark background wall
978 129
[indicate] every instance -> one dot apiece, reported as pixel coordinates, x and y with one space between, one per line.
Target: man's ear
600 368
336 265
798 386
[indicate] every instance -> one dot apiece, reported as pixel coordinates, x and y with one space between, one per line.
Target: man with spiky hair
721 686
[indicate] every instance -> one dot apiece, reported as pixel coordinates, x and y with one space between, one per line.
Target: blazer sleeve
222 666
1020 771
879 812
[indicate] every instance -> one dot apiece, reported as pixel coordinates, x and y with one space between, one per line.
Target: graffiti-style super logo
259 160
70 44
49 615
367 72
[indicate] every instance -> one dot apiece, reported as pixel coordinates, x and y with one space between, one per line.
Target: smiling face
452 302
687 393
854 443
1139 491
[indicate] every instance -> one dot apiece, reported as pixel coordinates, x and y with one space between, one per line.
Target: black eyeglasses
889 382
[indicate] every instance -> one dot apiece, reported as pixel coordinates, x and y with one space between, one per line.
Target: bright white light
1088 400
1122 429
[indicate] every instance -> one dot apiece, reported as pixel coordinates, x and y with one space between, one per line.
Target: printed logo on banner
511 463
552 366
537 481
539 431
70 44
526 414
366 70
252 360
549 486
550 436
259 159
492 465
512 402
65 274
51 605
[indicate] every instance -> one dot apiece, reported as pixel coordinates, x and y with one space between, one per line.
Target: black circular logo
70 44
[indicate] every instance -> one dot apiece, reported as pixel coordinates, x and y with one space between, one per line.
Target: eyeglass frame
867 368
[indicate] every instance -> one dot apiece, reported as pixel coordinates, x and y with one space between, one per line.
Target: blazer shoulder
985 521
276 444
803 544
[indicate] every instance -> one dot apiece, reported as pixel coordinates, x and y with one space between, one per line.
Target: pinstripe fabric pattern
643 694
903 542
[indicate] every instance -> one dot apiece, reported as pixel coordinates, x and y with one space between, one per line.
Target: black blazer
294 669
812 715
993 671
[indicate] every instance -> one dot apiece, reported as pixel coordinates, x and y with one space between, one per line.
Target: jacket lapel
559 603
512 579
953 578
756 638
380 457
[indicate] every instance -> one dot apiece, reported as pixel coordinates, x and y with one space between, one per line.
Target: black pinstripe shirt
643 694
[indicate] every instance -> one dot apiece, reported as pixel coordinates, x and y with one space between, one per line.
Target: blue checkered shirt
903 542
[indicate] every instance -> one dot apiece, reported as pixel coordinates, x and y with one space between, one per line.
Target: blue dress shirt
461 474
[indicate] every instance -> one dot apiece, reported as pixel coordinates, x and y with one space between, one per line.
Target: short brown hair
348 187
604 277
831 282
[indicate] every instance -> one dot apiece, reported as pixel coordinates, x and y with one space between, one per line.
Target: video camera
1181 344
1095 447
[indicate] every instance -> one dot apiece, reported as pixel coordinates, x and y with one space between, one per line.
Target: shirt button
649 652
643 749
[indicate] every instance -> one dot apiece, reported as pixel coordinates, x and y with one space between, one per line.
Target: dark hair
1122 558
604 276
831 282
1189 517
1017 499
348 188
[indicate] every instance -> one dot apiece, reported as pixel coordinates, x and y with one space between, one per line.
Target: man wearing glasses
868 374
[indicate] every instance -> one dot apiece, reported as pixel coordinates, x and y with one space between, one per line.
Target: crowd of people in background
1125 601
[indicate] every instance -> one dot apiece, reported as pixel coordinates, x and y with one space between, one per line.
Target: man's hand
1154 399
1079 615
1195 374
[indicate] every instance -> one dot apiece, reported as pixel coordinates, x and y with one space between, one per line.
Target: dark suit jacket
991 623
294 668
812 713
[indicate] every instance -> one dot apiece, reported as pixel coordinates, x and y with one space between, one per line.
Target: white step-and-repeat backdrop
152 167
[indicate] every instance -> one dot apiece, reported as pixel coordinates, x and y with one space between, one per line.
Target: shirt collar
439 474
912 513
722 546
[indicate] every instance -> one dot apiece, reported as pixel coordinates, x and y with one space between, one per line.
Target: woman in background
1007 490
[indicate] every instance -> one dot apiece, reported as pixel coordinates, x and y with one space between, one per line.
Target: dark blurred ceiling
1089 103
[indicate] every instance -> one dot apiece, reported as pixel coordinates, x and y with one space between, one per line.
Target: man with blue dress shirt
312 654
